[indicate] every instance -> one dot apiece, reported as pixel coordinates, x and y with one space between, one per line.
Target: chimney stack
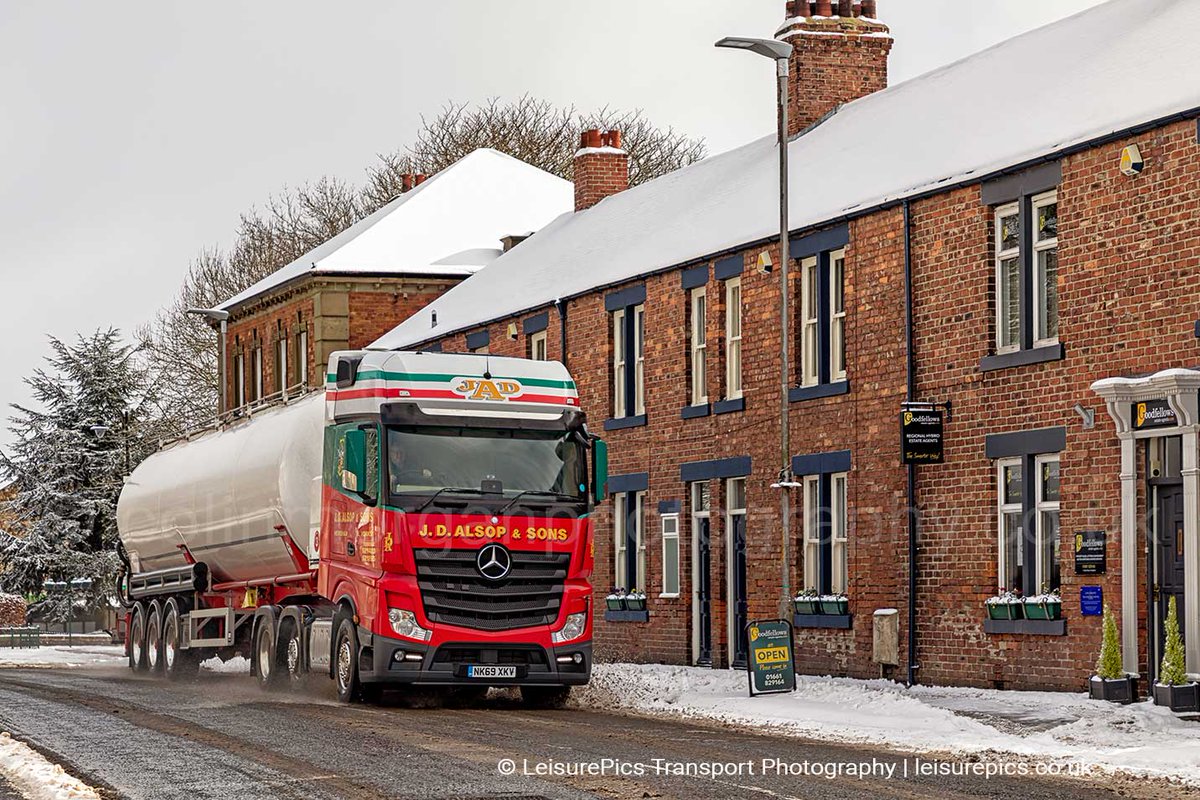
406 182
601 167
841 54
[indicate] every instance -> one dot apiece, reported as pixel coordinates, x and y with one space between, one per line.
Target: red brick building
1014 235
360 284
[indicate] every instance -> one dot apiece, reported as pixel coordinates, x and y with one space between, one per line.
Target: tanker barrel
192 578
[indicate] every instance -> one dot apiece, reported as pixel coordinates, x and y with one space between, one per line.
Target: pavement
220 736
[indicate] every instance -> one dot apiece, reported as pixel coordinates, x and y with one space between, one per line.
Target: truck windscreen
425 459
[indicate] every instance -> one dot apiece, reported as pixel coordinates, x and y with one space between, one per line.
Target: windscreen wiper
535 493
446 489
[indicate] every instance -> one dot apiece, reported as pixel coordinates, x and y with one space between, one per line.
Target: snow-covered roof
451 225
1102 71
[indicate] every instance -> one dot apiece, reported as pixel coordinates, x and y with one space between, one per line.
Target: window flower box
834 604
635 601
1007 605
807 602
1183 698
615 601
1044 606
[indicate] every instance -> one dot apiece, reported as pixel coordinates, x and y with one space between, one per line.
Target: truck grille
455 593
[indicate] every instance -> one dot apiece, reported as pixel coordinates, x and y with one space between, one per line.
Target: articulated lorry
423 521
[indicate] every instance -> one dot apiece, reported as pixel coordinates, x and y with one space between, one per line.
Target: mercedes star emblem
493 562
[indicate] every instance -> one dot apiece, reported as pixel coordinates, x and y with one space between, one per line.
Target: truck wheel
345 663
177 662
154 638
290 656
545 696
137 638
266 661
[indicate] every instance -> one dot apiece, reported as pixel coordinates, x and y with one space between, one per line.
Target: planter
1114 690
635 603
1038 610
614 603
1182 698
807 605
1006 610
835 607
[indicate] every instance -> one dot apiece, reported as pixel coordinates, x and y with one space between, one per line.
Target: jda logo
486 389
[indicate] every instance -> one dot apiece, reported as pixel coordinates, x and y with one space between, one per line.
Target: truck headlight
404 623
573 628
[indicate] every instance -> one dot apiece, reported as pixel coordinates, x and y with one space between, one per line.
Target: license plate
478 671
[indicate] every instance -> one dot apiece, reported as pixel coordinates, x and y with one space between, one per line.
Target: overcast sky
133 133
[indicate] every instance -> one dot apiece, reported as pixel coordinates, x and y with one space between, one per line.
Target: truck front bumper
404 662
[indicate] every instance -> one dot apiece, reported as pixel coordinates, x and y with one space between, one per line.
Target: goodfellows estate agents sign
921 437
772 663
1153 414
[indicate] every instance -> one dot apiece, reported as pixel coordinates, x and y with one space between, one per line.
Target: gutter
910 396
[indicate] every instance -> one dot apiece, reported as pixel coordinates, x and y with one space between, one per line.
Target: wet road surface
221 737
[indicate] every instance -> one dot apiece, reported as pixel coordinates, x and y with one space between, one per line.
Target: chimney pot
419 179
870 9
614 139
591 138
406 182
857 8
845 8
824 8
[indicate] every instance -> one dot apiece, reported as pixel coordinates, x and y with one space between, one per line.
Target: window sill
1027 627
670 596
802 393
729 406
1022 358
625 422
626 616
695 412
834 621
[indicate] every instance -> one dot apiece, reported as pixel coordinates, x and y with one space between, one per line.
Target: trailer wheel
545 696
177 662
137 638
154 638
266 657
345 663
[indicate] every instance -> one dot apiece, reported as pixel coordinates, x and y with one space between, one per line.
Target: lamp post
217 315
780 53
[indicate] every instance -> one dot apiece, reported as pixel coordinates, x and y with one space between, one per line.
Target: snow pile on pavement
238 665
1141 739
35 777
61 656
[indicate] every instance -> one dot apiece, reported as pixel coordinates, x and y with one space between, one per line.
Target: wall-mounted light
764 262
512 330
1132 162
1087 414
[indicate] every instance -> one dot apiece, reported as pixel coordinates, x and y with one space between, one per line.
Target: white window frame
1007 210
281 362
239 380
619 549
839 483
1039 300
837 317
258 374
1002 509
302 357
538 346
733 338
812 531
810 332
639 360
698 339
731 635
619 376
1042 570
670 537
696 492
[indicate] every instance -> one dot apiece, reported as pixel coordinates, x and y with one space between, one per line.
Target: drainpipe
561 305
910 396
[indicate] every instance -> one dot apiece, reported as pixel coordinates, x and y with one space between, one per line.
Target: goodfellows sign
1153 414
772 663
921 439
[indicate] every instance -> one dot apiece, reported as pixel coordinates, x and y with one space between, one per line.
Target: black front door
738 600
703 592
1169 557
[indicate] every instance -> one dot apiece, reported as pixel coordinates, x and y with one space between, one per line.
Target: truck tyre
177 662
290 656
545 696
345 663
137 638
154 638
266 655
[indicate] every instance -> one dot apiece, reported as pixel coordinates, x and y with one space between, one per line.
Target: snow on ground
35 777
1142 739
238 665
61 656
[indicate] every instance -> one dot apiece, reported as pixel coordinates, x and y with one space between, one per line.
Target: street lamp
780 53
217 315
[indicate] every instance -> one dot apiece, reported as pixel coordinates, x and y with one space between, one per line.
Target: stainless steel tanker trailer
424 520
